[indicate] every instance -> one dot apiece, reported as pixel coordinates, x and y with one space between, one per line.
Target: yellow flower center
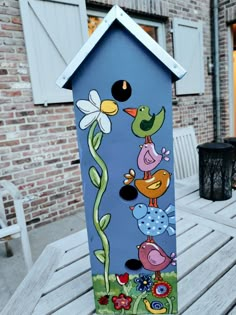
144 282
109 107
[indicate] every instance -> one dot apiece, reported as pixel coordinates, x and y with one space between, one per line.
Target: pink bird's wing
155 257
148 159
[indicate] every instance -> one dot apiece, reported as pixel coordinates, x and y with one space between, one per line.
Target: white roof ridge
116 13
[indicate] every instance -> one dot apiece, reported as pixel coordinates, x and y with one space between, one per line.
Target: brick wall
38 144
227 16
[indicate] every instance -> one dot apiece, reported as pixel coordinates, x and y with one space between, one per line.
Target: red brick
11 93
11 27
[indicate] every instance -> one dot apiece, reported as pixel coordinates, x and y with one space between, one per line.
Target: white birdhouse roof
116 13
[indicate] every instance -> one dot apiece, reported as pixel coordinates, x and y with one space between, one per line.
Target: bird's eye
140 206
164 173
145 146
143 246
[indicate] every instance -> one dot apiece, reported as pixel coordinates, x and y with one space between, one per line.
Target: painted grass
137 304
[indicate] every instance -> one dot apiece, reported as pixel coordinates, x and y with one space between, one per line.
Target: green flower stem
136 304
102 188
122 311
170 304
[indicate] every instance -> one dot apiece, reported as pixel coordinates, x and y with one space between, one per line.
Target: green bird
144 124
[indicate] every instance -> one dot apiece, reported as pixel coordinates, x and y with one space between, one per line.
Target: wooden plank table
188 199
60 281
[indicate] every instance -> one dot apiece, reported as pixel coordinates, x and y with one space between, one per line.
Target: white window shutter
54 32
188 50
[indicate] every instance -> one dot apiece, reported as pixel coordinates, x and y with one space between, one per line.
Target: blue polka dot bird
154 221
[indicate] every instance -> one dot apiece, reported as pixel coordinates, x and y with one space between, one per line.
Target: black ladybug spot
133 264
156 212
162 222
152 220
162 216
128 193
121 90
148 212
142 222
149 228
159 228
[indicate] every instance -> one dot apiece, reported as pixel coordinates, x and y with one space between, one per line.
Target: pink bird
148 158
153 258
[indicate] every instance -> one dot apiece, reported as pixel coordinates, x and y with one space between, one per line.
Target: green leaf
100 255
94 176
97 140
105 221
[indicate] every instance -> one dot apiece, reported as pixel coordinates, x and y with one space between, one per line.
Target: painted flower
161 289
144 282
95 109
122 279
122 301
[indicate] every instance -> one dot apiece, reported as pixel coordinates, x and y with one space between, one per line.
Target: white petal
88 120
95 98
104 123
86 107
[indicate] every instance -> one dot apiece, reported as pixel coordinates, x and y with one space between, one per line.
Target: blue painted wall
119 56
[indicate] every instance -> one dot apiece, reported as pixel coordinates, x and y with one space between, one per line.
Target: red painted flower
122 279
122 301
161 289
104 300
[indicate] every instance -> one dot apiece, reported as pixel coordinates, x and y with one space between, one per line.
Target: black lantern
215 170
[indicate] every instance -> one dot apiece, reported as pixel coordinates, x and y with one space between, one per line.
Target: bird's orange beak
131 111
131 208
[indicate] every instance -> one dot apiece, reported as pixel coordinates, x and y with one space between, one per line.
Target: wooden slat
66 274
218 299
210 216
228 212
233 311
188 198
205 275
32 286
72 241
195 255
83 305
73 255
221 227
64 295
184 226
191 237
219 205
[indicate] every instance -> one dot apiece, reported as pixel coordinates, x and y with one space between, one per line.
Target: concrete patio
12 269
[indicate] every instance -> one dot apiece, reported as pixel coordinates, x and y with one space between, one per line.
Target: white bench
185 154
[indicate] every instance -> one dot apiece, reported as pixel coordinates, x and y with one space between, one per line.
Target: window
154 29
188 49
54 32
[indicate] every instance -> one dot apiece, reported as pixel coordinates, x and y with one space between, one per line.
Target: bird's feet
153 203
148 139
158 276
147 175
150 239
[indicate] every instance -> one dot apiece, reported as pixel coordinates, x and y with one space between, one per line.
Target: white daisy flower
95 109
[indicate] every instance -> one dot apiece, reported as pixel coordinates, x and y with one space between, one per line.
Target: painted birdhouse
122 89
